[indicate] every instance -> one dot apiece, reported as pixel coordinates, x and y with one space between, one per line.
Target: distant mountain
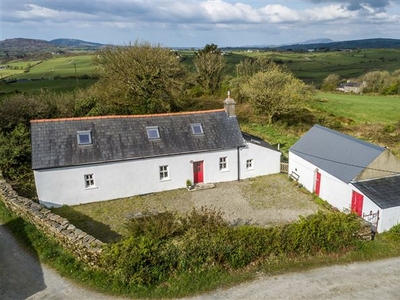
74 43
24 44
317 41
353 44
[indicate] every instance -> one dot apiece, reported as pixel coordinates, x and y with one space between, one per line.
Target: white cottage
81 160
349 173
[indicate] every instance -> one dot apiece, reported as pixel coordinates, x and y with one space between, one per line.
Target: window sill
91 187
224 170
165 179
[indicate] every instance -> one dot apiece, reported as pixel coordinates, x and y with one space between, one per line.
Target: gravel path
366 281
23 277
263 201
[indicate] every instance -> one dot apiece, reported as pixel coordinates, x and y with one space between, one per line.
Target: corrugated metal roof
115 138
338 154
385 192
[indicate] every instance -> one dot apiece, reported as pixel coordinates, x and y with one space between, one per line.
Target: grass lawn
360 108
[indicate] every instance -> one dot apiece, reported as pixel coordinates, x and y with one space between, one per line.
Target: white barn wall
389 217
333 190
266 161
123 179
304 169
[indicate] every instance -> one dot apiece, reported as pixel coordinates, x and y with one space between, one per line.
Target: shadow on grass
21 274
100 231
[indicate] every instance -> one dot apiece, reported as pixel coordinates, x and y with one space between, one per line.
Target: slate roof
338 154
385 192
117 138
257 141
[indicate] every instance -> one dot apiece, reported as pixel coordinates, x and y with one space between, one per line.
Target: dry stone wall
84 246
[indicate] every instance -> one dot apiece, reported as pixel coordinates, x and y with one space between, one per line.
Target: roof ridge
126 116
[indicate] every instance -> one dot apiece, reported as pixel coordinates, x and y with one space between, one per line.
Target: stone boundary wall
82 245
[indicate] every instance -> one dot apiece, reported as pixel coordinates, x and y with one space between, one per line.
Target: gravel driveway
263 201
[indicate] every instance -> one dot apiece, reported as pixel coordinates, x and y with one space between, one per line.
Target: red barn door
357 201
317 182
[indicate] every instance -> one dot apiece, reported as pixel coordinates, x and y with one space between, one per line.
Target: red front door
357 201
197 172
317 182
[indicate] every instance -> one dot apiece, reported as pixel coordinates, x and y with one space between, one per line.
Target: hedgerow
167 245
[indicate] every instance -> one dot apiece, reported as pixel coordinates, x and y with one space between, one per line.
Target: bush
162 245
321 232
155 226
136 260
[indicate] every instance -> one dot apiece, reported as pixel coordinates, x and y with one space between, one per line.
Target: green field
59 86
360 108
67 66
311 67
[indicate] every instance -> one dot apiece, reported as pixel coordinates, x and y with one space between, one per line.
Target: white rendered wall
333 190
389 217
304 169
265 161
123 179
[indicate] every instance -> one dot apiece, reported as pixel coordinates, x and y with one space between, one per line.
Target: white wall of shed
332 190
266 161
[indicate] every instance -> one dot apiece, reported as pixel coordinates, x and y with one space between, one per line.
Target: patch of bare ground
262 201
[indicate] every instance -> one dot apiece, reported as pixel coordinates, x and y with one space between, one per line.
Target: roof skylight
197 129
153 133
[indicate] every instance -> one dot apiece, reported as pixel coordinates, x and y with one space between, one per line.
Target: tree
15 160
331 82
274 91
377 81
244 70
138 79
209 64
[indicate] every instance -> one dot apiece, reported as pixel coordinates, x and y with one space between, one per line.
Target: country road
22 277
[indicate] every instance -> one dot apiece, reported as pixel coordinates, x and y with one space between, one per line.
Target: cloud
210 20
358 4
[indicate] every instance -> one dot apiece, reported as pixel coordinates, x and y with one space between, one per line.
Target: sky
192 23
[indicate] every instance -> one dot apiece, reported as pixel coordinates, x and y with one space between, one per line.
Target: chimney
229 106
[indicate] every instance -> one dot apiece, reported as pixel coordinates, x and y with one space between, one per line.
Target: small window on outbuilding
84 137
89 180
249 164
197 129
152 132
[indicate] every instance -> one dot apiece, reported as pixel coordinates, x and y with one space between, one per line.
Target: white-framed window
197 129
152 132
89 180
164 172
223 163
84 137
249 164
